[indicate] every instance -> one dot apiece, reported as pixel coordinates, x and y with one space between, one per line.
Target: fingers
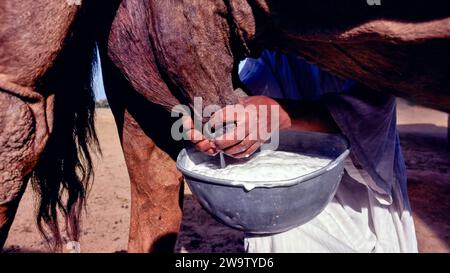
192 134
240 147
200 142
239 130
232 137
252 149
244 138
224 115
206 146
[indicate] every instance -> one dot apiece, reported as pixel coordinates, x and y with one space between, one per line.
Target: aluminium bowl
275 206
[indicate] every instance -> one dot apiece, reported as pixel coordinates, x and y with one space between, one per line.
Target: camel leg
15 132
7 214
155 191
156 185
23 135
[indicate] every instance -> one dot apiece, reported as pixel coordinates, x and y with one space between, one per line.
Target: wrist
284 120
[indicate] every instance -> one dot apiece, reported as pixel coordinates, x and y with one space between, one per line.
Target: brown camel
156 54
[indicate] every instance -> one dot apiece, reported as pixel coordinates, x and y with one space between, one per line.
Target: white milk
265 166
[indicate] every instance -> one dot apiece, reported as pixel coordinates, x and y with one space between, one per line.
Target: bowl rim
265 184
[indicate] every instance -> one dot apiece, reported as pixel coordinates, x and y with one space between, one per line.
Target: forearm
309 116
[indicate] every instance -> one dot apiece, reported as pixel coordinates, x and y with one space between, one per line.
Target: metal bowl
276 206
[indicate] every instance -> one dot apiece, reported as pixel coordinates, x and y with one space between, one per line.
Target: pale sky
98 81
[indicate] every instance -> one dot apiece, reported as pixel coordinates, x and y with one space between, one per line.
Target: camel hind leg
8 211
156 184
22 138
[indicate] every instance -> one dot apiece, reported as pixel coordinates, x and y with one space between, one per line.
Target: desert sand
105 226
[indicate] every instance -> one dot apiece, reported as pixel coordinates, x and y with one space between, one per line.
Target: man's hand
255 118
200 142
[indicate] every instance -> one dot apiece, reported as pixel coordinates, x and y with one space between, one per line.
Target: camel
158 54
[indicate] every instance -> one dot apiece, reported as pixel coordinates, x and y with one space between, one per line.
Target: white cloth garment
358 219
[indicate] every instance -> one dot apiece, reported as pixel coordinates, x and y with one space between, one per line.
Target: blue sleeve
284 76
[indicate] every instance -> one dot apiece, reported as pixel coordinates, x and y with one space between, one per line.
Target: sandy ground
105 228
